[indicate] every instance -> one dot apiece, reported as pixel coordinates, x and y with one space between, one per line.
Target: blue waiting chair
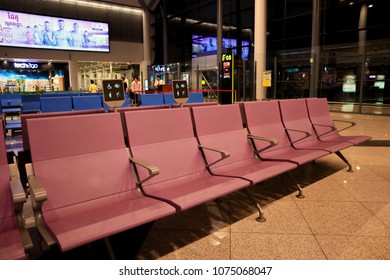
87 102
31 103
151 99
195 97
168 99
56 104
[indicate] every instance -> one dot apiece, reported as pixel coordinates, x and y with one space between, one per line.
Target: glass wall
348 64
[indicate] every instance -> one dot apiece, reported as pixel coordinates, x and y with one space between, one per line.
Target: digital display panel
208 45
349 83
46 32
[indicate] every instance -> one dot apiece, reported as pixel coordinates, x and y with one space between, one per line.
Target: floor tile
186 245
355 247
252 246
368 191
341 218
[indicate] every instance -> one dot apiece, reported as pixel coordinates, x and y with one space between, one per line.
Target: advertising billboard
47 32
208 45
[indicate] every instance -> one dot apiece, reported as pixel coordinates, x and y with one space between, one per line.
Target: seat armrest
272 142
307 134
37 191
152 170
224 154
332 128
18 194
351 124
39 196
19 198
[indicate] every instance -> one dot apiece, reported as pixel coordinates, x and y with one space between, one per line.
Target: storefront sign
24 65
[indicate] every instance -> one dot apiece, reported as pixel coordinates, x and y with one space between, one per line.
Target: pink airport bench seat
81 180
14 238
165 138
263 118
221 127
324 125
301 132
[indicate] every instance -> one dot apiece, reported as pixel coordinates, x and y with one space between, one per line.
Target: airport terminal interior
222 55
344 216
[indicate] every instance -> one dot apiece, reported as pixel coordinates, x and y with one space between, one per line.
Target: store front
18 76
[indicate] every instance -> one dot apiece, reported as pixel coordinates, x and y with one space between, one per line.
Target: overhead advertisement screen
46 32
208 45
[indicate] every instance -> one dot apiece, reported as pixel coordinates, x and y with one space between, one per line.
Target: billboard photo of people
36 31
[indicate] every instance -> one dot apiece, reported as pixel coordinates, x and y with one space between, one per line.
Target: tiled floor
343 216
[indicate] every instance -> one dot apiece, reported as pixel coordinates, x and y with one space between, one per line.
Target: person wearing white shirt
136 85
159 82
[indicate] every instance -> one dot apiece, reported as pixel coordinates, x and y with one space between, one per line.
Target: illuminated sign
226 65
113 93
208 45
180 91
24 65
46 32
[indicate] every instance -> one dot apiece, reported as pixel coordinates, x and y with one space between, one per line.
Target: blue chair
51 94
70 93
151 99
87 102
168 99
15 99
31 103
195 97
56 104
4 100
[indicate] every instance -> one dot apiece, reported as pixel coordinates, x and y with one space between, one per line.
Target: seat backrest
150 99
7 209
79 158
25 117
319 114
164 138
168 99
4 100
263 119
15 99
31 102
195 97
51 94
294 115
56 104
221 127
91 102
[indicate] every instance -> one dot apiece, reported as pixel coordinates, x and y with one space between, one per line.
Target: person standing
92 87
77 36
62 37
136 85
159 83
37 36
85 43
47 35
126 84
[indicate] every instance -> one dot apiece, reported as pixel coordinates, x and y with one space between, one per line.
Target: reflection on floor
344 215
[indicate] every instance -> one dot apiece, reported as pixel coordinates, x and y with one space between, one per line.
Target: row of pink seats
303 127
15 241
87 183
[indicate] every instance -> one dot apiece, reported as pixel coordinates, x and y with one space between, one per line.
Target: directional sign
113 93
180 91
